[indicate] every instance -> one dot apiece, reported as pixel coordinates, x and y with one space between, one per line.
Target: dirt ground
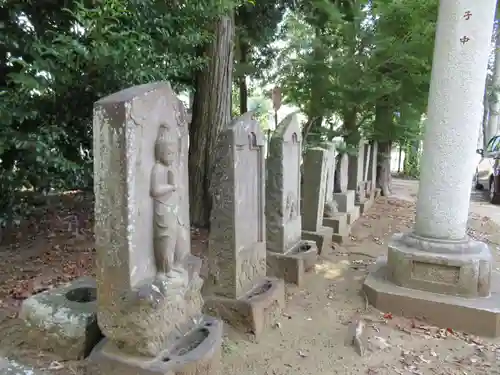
310 337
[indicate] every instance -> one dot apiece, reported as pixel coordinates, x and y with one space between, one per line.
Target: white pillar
461 51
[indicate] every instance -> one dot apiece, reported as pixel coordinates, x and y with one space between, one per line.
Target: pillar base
478 316
458 268
338 222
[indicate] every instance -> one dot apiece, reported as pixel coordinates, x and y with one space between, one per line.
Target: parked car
488 170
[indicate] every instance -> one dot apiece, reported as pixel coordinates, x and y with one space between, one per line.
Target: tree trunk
384 178
383 124
492 128
211 113
242 81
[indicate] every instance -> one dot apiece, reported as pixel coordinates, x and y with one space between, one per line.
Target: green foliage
365 64
58 58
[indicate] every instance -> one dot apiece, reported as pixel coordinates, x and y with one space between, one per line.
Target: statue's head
166 145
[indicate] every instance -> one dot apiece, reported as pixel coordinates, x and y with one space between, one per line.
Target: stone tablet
284 224
237 245
237 288
148 284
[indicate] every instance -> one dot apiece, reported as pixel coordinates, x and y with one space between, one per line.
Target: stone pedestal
204 342
437 272
338 223
288 256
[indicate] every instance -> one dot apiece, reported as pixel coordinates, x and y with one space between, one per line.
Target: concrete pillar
461 53
437 271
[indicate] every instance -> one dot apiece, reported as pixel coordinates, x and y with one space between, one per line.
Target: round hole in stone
261 289
82 294
188 343
208 324
304 247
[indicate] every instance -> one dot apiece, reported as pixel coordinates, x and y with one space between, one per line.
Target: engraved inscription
437 273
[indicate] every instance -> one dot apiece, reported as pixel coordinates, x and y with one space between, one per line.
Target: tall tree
211 113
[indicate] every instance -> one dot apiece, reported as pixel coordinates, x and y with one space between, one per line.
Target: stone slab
64 320
292 266
365 206
478 316
345 201
254 312
323 239
353 215
338 222
107 359
340 238
11 367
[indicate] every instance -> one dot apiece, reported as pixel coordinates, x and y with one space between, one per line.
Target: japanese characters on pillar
467 16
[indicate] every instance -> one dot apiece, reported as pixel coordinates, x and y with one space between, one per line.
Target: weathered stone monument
237 288
356 176
437 271
344 197
314 194
63 320
366 186
332 218
288 256
148 284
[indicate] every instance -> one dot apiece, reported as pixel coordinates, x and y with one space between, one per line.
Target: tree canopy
353 67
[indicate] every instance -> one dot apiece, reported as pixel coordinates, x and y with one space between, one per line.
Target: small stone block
63 320
353 215
340 238
196 353
378 192
345 201
338 222
293 265
323 238
253 313
477 315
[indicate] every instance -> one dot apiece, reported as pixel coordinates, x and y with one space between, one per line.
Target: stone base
478 316
377 193
338 222
458 268
353 215
293 265
63 320
196 353
340 238
323 238
253 313
345 200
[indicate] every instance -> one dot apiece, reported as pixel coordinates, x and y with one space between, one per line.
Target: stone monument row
288 255
238 288
437 271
